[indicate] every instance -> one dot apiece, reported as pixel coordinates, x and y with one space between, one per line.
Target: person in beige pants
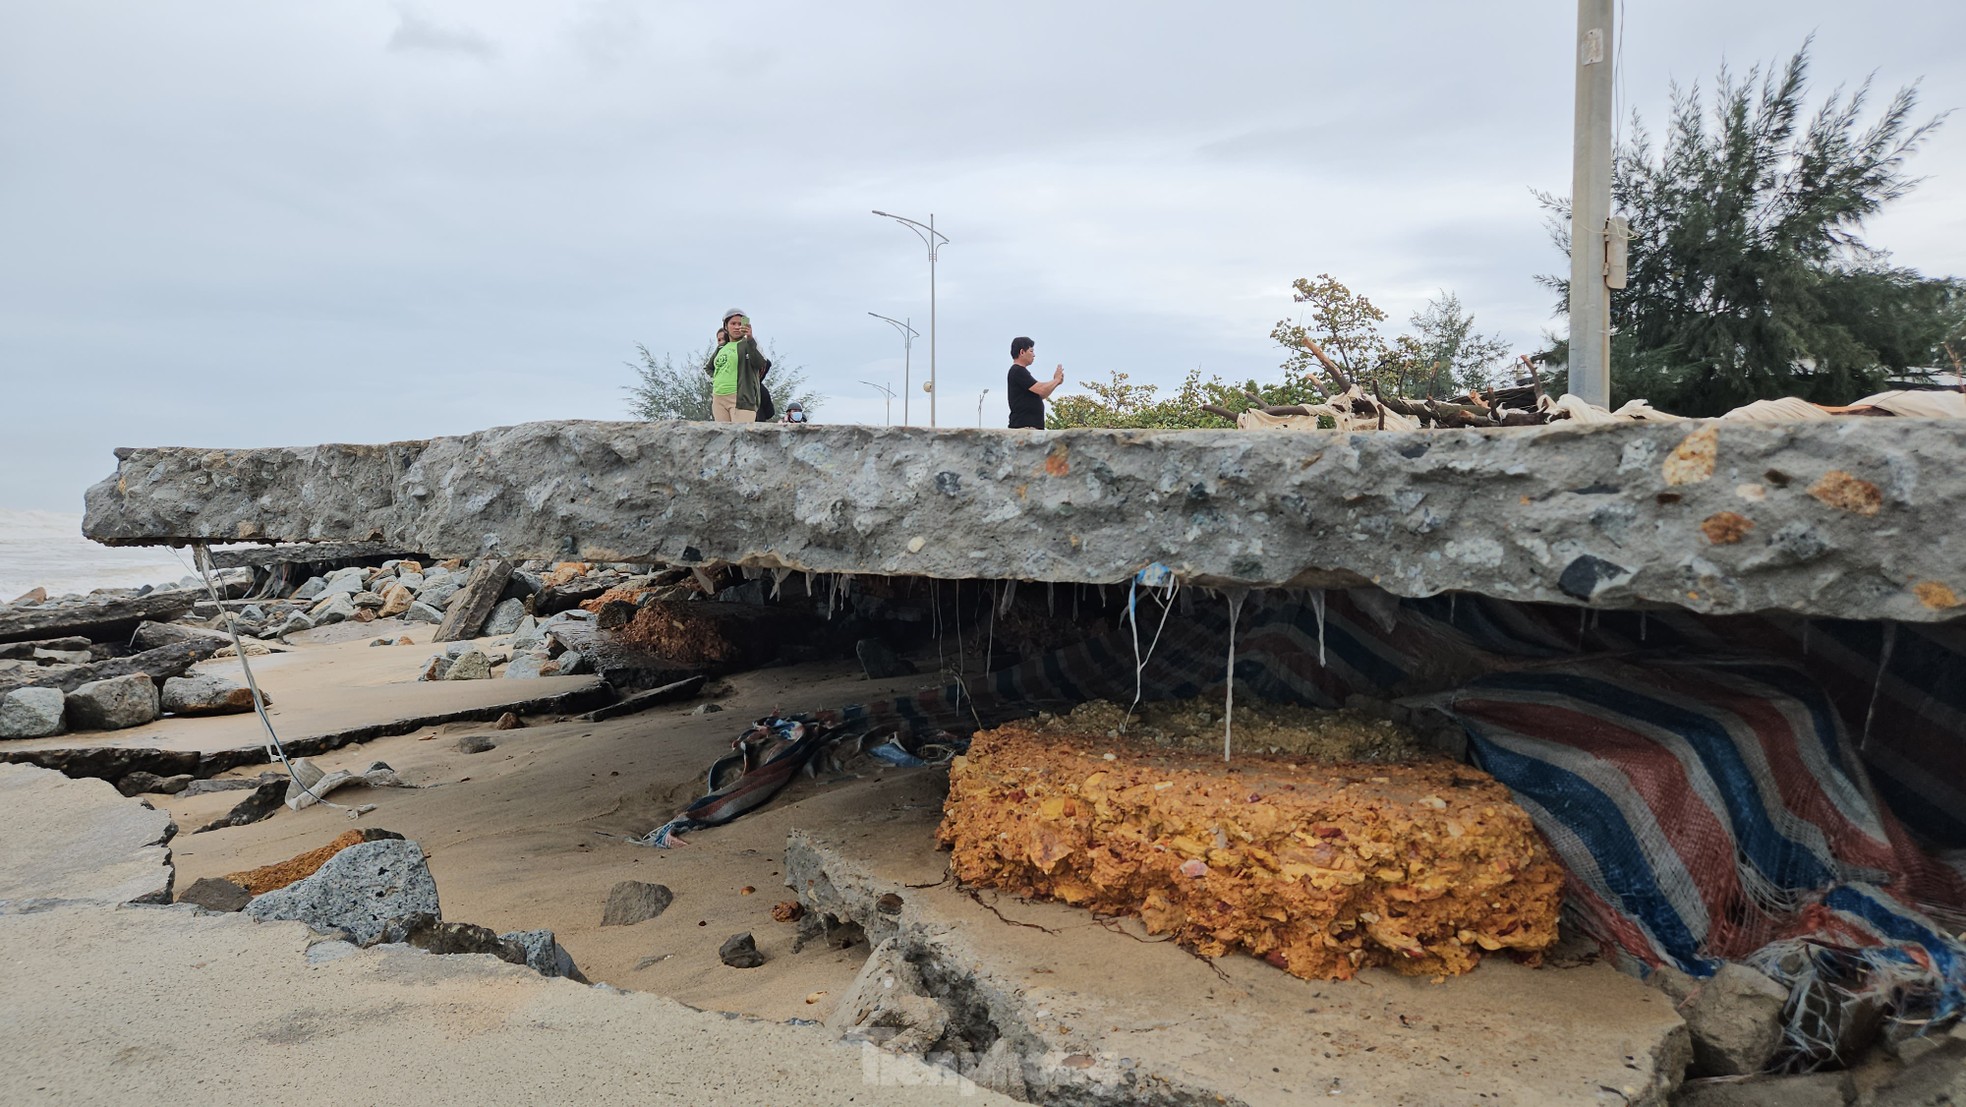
737 369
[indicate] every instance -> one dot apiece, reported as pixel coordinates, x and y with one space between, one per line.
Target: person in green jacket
737 370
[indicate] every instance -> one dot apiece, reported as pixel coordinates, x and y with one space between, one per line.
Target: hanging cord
1229 696
1133 619
202 557
1888 647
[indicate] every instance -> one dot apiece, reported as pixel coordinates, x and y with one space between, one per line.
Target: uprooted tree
1749 277
1442 357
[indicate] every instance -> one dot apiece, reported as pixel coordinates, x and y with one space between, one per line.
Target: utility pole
908 336
1590 207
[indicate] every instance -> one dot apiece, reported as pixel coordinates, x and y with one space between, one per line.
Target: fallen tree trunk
161 663
101 620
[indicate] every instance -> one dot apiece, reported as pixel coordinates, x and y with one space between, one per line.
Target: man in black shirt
1027 395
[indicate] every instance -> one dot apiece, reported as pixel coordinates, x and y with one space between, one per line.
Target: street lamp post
908 336
934 240
979 408
889 393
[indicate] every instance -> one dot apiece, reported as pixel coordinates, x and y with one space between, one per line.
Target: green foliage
666 389
1748 275
1444 356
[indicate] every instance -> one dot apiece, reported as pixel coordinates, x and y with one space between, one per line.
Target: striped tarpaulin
1708 807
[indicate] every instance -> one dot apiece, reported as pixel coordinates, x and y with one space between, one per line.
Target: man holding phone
1026 393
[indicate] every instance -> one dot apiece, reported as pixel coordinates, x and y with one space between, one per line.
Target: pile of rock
533 650
367 888
118 702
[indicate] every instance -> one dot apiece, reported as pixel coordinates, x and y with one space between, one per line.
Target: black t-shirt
1026 406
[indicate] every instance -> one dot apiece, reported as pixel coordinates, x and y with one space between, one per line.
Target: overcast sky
247 224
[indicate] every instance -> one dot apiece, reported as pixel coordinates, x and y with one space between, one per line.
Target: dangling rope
201 556
1229 697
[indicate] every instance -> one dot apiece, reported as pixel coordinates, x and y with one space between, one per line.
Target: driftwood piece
642 701
1337 375
161 663
472 606
1219 412
103 619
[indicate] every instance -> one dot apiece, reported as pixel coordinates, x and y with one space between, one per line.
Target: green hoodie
750 368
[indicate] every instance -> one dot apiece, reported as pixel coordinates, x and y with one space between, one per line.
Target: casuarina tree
667 389
1749 276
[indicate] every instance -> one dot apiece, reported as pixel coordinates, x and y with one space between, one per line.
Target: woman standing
737 370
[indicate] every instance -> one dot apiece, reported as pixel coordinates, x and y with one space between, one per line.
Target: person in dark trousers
1026 393
737 370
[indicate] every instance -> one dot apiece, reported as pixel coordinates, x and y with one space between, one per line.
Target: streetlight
979 408
934 240
908 336
885 391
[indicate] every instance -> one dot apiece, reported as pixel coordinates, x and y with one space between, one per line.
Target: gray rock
886 973
113 704
1735 1017
632 901
31 713
421 612
1816 1089
252 612
527 665
411 581
141 783
544 954
294 624
879 661
740 951
456 650
573 662
369 601
475 743
707 709
433 935
437 595
504 617
208 694
336 608
1937 1078
527 634
63 657
215 893
436 669
310 589
267 797
472 665
361 890
342 586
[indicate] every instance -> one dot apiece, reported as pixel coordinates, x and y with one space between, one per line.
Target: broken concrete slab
79 841
468 611
160 664
99 618
1503 1033
269 993
1841 518
1735 1017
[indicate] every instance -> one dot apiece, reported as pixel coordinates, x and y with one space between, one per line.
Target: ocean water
45 549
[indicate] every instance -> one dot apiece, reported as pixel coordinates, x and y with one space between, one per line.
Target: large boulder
1735 1017
420 612
544 954
362 890
114 704
337 608
208 694
505 618
31 713
632 901
470 665
396 600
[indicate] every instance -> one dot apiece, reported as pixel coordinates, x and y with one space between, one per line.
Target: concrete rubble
1836 518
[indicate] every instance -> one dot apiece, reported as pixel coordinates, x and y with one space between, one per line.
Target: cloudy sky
242 223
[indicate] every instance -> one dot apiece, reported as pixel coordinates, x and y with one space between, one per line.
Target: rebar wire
1140 663
201 556
1877 685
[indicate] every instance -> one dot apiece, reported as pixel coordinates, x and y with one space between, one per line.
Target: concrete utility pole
1590 207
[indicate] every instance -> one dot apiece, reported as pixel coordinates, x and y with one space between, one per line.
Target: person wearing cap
737 370
795 412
